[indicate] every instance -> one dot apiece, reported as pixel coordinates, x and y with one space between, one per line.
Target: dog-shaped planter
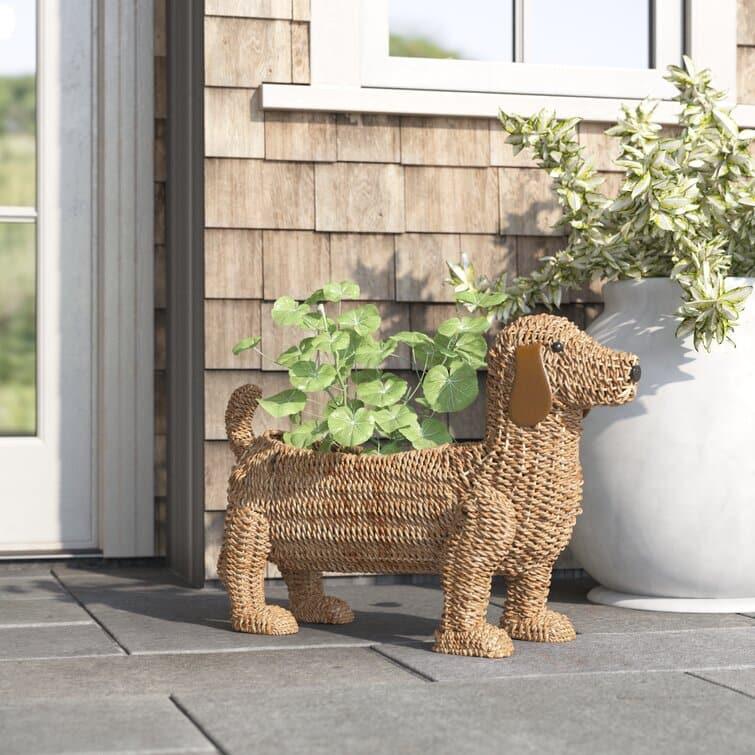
465 511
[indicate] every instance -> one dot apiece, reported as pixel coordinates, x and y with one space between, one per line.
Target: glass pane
18 328
613 34
18 65
469 30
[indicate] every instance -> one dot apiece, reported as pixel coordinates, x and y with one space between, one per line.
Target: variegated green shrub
686 210
341 395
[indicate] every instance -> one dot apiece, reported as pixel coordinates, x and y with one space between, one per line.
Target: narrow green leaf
246 344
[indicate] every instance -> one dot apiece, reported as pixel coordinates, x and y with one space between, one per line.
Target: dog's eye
557 346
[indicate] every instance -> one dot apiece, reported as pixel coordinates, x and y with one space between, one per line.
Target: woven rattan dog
465 511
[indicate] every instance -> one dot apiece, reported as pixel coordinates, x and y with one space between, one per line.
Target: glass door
47 275
18 214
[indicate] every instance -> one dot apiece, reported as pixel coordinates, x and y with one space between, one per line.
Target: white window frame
351 71
379 69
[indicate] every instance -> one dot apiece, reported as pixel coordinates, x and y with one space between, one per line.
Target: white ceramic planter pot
669 499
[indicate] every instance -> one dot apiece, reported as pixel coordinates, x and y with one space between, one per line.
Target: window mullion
518 27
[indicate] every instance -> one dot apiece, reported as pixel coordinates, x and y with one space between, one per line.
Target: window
613 34
18 238
471 57
575 48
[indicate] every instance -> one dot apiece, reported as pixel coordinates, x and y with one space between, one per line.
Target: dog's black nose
635 373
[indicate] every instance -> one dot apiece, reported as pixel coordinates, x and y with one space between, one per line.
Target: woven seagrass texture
465 511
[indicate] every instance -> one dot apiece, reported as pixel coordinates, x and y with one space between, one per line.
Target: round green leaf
457 325
304 350
306 434
310 377
372 353
394 418
285 403
338 291
413 338
392 447
336 340
450 391
246 344
350 428
288 312
472 349
382 392
431 433
363 320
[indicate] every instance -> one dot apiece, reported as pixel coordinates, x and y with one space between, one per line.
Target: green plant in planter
342 397
686 209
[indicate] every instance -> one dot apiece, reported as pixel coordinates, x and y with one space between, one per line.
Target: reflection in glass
613 34
469 30
17 102
17 329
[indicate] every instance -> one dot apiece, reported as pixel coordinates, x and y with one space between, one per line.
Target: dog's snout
635 373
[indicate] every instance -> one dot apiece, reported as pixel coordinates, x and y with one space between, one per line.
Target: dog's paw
484 641
550 627
323 610
268 620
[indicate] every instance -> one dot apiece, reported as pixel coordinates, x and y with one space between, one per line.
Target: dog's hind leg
473 553
526 615
241 567
309 603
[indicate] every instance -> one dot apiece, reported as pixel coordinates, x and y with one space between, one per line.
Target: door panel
46 240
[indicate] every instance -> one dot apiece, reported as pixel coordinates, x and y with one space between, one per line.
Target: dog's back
353 512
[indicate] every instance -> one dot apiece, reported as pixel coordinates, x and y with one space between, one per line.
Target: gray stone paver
620 687
31 588
651 651
17 613
207 673
608 713
128 724
742 680
55 642
170 619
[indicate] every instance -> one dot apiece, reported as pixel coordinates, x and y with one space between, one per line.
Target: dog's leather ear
531 397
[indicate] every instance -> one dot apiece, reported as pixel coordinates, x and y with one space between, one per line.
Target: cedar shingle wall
295 199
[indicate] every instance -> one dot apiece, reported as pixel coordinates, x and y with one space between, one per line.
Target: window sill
339 99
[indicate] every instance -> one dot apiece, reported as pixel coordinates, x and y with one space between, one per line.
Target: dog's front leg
474 551
526 615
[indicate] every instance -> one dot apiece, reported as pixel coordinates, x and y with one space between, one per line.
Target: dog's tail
238 417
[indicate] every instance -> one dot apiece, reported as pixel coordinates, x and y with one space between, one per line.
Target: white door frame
124 442
95 242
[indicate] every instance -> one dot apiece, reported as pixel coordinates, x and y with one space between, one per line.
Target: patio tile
742 680
30 587
591 653
172 622
127 724
148 579
207 672
55 642
639 713
168 618
16 613
15 569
